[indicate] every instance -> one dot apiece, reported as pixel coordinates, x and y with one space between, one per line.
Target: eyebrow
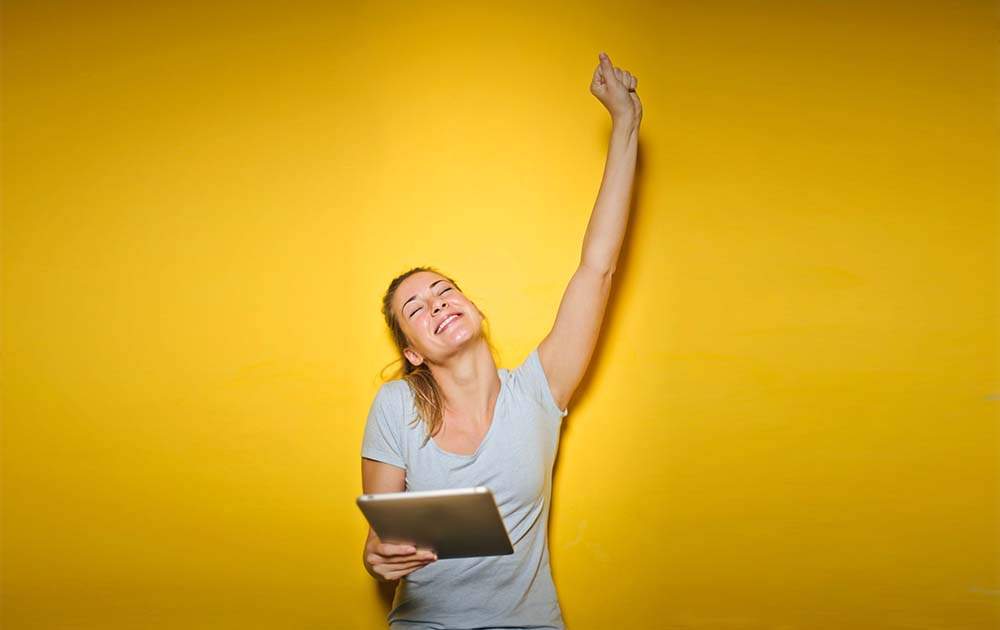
415 297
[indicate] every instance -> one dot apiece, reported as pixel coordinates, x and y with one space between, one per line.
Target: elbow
603 269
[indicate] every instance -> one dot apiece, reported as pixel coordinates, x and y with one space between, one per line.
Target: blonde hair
427 397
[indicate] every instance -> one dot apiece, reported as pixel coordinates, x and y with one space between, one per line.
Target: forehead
414 284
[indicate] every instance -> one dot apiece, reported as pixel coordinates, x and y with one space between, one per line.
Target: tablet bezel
454 522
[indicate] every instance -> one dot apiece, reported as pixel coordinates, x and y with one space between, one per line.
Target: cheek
416 327
406 325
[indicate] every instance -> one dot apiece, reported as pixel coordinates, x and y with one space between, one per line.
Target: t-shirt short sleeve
532 378
383 437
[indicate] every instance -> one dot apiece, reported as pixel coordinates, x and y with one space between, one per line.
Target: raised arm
566 351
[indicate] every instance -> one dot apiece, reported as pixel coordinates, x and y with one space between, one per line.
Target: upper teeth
445 322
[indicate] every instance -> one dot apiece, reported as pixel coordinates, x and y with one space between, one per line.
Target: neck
469 384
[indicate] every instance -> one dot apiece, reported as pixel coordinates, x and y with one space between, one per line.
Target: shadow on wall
609 317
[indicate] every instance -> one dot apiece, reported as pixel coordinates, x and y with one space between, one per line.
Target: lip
456 316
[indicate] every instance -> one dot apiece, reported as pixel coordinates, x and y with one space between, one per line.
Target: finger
395 575
393 562
606 68
421 554
598 77
628 80
389 549
398 571
618 75
399 566
377 559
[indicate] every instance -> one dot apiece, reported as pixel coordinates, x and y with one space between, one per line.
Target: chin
464 338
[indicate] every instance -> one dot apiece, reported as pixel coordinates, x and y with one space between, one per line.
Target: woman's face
425 301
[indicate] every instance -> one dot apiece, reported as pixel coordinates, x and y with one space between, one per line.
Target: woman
483 426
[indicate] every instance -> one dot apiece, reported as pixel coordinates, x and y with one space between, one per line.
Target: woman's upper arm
378 477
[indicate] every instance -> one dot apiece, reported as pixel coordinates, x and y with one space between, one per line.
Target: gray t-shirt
515 461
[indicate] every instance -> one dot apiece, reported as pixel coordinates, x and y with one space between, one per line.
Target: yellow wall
791 421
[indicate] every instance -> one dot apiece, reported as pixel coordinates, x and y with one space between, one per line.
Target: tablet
456 523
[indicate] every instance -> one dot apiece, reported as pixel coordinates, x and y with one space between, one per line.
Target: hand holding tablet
459 523
387 561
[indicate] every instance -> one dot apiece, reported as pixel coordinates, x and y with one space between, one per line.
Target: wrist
624 124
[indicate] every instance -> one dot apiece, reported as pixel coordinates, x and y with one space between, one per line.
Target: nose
440 305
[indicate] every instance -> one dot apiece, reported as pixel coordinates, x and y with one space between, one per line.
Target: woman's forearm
606 229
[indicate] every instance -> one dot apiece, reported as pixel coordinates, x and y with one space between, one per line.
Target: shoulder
529 378
395 398
390 407
393 392
527 368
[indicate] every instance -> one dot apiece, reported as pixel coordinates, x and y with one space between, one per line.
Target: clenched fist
615 89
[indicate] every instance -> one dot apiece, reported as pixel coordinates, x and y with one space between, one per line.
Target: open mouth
447 322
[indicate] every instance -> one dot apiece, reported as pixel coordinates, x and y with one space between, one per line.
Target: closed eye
414 311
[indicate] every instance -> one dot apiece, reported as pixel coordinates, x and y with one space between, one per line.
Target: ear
413 357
